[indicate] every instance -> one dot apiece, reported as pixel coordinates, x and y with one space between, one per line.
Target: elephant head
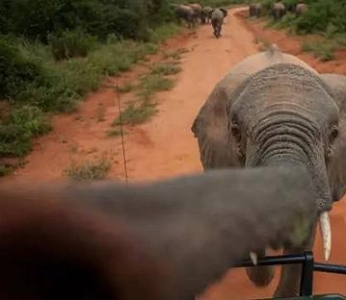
278 10
197 9
184 12
300 9
165 240
255 9
206 14
271 110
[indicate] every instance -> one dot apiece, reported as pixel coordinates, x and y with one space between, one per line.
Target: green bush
62 84
15 71
322 16
317 18
19 128
71 43
89 170
36 19
31 119
134 115
322 50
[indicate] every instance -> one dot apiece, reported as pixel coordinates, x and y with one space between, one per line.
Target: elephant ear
217 145
225 13
337 163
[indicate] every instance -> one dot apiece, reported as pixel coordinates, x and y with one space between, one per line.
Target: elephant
278 10
273 109
206 14
197 9
185 13
217 17
255 10
164 240
300 9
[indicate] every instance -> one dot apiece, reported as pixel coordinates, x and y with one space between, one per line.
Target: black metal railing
308 268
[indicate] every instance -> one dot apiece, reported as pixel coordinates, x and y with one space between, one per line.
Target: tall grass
59 85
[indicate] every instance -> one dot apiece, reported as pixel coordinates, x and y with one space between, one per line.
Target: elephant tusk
326 234
253 257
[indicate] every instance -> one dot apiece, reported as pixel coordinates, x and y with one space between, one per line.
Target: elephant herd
277 10
272 142
194 13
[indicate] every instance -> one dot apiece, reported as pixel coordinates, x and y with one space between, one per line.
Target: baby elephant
166 240
206 14
217 17
301 8
255 10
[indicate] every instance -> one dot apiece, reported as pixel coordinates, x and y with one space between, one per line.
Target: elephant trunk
292 140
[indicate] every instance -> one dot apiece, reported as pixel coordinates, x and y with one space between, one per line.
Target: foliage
15 70
153 83
165 69
89 170
17 130
34 83
322 16
325 18
53 52
36 19
71 43
323 50
133 114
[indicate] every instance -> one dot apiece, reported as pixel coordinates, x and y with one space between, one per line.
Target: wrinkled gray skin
206 14
166 240
197 9
278 10
217 17
300 9
255 10
185 13
273 109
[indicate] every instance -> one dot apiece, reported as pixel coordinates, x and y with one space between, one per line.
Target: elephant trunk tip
273 48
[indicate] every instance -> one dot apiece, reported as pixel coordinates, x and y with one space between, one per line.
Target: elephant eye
333 134
235 131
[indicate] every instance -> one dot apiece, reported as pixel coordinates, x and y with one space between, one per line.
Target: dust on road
165 146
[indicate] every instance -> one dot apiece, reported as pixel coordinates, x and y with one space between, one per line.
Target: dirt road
165 146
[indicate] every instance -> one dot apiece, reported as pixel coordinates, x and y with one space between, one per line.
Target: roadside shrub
322 50
31 119
89 170
15 71
316 18
19 128
71 43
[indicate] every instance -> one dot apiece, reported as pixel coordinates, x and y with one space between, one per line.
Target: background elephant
278 10
206 14
217 17
252 9
185 13
273 109
166 240
197 9
300 9
255 10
